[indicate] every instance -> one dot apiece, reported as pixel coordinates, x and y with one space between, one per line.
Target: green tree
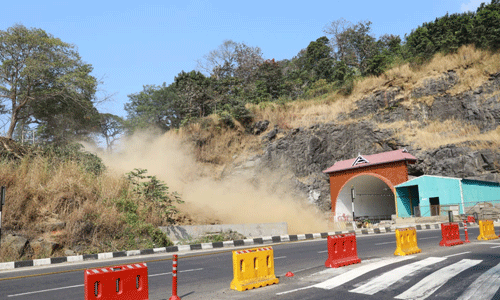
46 84
318 59
268 81
155 193
194 95
154 106
111 126
486 26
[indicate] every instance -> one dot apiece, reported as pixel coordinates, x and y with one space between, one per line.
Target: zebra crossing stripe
425 287
355 273
385 280
485 286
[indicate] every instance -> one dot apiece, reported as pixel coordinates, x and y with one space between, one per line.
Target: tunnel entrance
373 199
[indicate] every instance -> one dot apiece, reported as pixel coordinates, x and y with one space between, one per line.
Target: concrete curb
205 246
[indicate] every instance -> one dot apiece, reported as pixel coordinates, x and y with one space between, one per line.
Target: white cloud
471 6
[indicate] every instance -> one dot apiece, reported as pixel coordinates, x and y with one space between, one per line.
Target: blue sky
136 43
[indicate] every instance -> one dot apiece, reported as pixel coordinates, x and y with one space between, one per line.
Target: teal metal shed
435 195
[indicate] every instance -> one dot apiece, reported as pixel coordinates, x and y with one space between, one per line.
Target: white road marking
168 273
495 247
456 254
393 242
385 280
427 286
295 290
80 285
280 257
485 286
354 273
323 251
48 290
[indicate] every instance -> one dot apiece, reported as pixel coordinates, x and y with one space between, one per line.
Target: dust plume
231 200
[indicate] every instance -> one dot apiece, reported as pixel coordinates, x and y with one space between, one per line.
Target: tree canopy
46 84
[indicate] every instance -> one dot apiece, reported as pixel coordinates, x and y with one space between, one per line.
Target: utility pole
2 202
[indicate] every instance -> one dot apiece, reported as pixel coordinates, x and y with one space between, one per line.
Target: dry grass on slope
472 66
216 142
434 134
93 213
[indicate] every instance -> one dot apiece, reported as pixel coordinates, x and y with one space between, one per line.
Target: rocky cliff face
306 152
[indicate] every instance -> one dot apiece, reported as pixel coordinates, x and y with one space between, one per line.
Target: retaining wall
176 233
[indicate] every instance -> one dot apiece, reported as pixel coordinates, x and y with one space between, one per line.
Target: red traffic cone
289 274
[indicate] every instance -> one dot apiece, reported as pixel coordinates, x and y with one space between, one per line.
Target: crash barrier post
342 250
470 219
406 241
486 230
450 235
466 233
174 279
253 268
117 283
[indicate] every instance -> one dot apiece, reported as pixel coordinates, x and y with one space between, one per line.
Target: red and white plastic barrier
450 234
342 250
117 283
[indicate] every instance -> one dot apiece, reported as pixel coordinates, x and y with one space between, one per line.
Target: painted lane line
456 254
385 280
385 243
485 286
80 285
48 290
168 273
427 286
280 257
432 237
355 273
323 251
295 290
495 247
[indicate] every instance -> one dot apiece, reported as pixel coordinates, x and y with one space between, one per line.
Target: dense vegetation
235 75
48 88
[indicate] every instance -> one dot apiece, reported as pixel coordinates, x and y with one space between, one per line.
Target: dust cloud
231 200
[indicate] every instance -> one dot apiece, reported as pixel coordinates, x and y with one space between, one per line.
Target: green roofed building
428 195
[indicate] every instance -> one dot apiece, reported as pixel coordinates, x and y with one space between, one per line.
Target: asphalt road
208 274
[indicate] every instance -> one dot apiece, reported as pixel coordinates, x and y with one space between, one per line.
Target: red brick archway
390 167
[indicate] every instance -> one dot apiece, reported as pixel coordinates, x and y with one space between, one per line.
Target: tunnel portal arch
386 169
374 198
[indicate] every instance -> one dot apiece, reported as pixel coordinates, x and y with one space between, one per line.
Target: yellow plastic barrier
253 268
486 230
406 242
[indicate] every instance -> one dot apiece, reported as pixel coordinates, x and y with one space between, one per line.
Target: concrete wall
176 233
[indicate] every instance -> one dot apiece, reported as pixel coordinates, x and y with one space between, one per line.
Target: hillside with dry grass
445 112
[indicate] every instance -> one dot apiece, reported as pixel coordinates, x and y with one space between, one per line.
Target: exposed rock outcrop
306 152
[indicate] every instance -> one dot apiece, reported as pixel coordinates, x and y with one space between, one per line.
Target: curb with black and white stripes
206 246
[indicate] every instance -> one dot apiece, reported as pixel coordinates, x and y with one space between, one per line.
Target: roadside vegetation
64 197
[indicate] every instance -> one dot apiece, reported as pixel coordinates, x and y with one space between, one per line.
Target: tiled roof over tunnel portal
371 180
